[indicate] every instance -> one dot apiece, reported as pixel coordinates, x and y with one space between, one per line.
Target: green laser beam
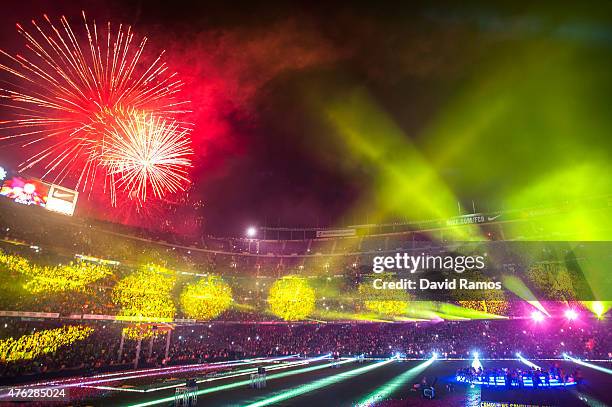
367 134
243 383
391 386
328 381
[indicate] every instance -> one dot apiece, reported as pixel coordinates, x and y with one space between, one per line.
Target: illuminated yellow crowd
291 298
145 295
497 307
141 331
74 276
207 298
42 342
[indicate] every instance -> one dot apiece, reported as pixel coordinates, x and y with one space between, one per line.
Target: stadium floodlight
571 314
251 231
537 316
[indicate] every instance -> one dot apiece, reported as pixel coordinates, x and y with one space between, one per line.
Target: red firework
71 91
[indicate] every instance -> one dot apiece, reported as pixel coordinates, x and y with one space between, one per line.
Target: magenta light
571 314
537 316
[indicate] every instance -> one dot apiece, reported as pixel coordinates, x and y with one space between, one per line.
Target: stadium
292 205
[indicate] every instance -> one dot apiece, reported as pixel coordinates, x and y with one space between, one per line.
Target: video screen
26 191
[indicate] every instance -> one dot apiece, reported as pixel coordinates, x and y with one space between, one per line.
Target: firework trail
70 90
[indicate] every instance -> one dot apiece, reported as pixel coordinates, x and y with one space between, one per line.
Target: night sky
255 73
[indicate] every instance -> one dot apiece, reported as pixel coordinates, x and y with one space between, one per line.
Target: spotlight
598 308
251 231
476 362
537 316
434 355
571 315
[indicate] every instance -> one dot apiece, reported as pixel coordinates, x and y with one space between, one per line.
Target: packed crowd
214 342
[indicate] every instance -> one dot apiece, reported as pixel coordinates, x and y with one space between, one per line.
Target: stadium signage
62 200
474 218
336 232
29 314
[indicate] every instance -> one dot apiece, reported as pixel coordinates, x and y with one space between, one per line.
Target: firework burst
71 88
144 154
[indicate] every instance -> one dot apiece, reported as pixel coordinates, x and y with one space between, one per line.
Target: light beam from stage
586 364
245 372
391 386
97 380
366 133
318 384
518 287
598 308
527 362
242 383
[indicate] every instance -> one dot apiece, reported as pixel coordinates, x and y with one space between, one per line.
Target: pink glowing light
537 316
571 314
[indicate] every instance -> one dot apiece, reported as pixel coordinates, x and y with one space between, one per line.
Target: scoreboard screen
32 191
26 191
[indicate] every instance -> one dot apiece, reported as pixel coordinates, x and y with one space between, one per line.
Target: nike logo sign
63 195
491 218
